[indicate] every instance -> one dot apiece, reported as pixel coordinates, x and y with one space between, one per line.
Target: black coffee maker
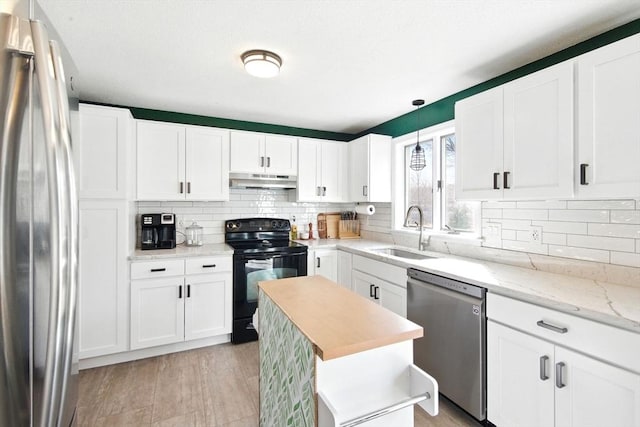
158 231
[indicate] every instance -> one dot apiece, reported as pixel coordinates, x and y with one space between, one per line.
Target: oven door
248 270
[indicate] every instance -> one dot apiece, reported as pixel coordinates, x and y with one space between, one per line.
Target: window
433 188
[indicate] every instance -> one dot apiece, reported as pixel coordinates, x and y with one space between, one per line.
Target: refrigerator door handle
63 234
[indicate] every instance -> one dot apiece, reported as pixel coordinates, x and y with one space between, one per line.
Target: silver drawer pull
543 368
557 329
559 368
209 266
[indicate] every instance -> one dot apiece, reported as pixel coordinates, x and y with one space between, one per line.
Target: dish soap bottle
294 229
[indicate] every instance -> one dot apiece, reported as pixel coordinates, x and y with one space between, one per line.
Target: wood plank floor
213 387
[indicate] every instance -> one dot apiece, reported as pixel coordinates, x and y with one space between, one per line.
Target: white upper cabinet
479 136
516 141
370 169
102 155
177 162
324 175
538 135
608 160
263 154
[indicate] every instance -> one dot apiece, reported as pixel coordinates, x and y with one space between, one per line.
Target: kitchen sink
400 253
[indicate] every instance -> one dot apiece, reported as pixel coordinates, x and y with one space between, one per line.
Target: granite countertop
610 303
182 252
337 321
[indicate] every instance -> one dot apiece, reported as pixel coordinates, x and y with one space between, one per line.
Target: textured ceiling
348 65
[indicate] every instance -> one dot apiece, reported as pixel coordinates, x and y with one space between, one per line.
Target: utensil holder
349 229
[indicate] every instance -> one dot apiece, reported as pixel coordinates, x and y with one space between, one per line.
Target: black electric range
262 251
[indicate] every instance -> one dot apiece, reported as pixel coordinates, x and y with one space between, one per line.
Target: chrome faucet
406 218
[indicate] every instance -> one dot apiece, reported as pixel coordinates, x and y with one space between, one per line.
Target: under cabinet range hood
254 180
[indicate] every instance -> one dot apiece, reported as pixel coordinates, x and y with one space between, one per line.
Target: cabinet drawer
390 273
615 345
208 264
160 268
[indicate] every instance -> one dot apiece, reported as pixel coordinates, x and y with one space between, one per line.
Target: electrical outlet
535 234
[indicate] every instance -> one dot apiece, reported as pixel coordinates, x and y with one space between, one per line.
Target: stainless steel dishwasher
453 349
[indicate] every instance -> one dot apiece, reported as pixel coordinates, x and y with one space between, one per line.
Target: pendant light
418 161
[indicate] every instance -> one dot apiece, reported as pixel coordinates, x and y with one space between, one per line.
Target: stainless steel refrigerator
38 222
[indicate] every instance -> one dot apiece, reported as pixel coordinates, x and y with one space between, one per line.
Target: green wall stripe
192 119
437 112
443 109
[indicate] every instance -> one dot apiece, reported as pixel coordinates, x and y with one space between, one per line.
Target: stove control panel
257 224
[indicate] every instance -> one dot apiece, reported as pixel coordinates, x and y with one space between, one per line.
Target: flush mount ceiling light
261 63
418 160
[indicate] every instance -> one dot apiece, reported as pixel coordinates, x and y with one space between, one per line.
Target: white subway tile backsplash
509 235
498 205
536 214
585 254
531 247
625 258
562 227
554 238
577 215
542 204
601 204
615 230
492 213
625 217
600 242
515 224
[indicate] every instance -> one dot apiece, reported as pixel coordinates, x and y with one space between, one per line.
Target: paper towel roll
365 209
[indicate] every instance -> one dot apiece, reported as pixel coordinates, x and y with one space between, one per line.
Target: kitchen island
329 357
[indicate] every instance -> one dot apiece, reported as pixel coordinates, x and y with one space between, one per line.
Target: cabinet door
594 393
479 144
160 161
538 134
608 125
326 263
333 175
103 294
281 155
392 297
246 152
101 154
207 305
344 269
309 178
157 312
359 170
363 285
517 394
207 164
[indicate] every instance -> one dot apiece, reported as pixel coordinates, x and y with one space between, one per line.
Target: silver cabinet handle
324 191
371 290
543 368
261 161
365 190
559 369
557 329
375 292
64 219
181 187
188 187
268 162
318 191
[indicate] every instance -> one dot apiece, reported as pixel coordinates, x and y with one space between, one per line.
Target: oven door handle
272 255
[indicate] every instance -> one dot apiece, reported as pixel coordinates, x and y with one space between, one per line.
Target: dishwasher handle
414 285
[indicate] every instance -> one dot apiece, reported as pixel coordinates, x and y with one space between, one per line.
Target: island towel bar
387 410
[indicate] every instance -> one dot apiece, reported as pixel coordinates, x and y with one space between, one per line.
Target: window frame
435 133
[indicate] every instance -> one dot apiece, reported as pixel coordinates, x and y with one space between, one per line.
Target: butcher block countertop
337 321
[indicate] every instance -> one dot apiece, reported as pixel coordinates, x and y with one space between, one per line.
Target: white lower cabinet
536 381
344 269
381 292
323 262
166 310
382 283
103 320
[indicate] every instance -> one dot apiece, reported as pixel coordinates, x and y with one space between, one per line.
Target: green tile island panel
287 377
